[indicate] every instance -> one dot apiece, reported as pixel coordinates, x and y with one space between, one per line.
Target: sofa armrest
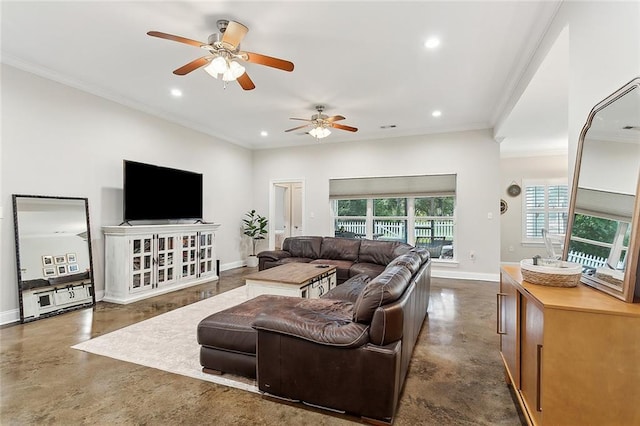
274 254
322 321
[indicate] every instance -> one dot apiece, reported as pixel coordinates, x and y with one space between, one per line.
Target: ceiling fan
224 49
321 124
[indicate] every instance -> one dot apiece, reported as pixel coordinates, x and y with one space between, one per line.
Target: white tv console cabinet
148 260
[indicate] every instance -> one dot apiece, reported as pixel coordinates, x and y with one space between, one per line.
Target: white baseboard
8 317
233 265
458 275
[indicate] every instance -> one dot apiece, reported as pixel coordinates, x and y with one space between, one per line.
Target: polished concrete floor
455 377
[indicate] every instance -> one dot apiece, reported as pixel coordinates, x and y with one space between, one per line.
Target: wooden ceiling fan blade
334 118
245 82
233 35
256 58
193 65
343 127
175 38
296 128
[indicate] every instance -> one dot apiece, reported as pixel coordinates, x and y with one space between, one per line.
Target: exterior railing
590 260
396 229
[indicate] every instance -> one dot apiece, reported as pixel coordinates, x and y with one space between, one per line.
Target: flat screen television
160 193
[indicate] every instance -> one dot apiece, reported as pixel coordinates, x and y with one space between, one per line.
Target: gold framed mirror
603 227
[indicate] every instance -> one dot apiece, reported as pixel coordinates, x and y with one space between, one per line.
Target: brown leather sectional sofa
348 350
351 256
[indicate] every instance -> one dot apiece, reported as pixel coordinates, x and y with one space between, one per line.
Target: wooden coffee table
292 279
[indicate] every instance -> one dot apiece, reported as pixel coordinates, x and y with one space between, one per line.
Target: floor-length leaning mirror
53 255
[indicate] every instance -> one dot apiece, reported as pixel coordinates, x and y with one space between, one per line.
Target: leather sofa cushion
340 248
410 260
385 288
422 252
323 321
294 260
371 269
308 247
342 267
349 290
381 252
274 254
230 329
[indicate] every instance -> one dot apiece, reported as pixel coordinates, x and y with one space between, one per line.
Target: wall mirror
603 229
53 255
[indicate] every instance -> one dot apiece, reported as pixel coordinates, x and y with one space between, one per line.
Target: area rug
168 342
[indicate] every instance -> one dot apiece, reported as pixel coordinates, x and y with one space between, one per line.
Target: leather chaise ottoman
227 340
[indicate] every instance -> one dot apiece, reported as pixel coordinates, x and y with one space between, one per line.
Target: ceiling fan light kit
319 132
223 68
321 123
225 55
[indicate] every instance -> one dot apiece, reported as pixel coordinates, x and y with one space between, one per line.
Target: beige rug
168 342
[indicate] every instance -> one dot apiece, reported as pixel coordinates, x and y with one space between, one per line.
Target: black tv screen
155 192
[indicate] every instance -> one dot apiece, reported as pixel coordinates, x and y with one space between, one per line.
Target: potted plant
255 227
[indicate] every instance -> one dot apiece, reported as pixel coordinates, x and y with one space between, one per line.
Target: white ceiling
363 60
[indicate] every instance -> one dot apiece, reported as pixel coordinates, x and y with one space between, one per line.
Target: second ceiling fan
321 124
224 49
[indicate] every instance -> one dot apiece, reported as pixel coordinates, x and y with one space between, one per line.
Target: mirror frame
15 198
630 291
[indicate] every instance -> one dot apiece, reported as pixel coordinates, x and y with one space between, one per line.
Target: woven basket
567 275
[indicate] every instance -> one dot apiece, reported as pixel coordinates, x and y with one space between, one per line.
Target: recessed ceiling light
432 43
264 133
436 113
176 93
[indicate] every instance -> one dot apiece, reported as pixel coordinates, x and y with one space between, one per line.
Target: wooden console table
571 354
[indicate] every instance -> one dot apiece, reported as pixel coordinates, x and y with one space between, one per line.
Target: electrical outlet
472 255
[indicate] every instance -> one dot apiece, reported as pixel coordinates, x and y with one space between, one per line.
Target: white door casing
286 206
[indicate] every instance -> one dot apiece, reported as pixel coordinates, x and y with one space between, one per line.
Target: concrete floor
455 378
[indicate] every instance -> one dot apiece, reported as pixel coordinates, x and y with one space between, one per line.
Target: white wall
517 169
473 156
60 141
604 48
604 54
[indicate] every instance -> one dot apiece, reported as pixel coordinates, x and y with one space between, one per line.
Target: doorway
286 211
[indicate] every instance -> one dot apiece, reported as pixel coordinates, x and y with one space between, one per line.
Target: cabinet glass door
141 263
166 259
206 257
189 250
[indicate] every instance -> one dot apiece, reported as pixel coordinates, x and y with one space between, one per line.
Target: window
418 210
545 206
434 225
350 218
599 242
421 221
390 219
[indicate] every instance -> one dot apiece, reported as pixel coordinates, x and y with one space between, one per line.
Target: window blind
392 186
